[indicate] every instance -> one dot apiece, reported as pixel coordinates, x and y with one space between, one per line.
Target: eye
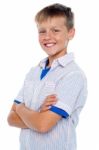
42 31
56 30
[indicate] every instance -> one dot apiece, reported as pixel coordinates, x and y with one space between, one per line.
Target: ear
71 33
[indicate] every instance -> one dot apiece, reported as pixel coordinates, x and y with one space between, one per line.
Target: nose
48 35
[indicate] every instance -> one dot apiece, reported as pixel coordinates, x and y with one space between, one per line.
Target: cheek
62 40
65 38
40 39
62 37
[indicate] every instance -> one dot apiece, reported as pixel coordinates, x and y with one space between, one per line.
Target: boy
54 92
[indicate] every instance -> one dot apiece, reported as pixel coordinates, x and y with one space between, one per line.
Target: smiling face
54 36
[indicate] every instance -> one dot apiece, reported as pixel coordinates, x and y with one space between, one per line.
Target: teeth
49 45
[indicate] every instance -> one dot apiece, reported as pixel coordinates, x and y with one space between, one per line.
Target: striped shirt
68 82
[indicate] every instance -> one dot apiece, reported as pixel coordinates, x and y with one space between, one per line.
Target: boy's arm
39 121
14 120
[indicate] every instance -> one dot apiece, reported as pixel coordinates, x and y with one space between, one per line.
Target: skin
22 117
53 37
49 101
14 119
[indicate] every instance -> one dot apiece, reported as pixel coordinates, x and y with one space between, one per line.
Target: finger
51 96
48 99
49 103
44 109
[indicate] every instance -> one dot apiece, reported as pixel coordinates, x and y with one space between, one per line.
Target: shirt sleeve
68 90
19 98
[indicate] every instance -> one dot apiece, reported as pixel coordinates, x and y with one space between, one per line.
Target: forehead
54 21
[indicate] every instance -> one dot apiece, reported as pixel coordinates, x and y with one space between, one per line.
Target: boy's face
54 36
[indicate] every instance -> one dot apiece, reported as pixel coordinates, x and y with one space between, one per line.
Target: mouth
48 45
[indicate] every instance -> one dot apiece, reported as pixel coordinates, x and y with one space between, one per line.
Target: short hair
56 10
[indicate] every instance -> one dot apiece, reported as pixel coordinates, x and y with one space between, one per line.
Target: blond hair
56 10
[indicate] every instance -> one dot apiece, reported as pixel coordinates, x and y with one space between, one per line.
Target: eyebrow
42 28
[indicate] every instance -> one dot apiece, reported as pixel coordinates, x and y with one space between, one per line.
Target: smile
49 44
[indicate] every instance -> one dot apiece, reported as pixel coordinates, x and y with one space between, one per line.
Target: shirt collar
66 59
63 61
43 62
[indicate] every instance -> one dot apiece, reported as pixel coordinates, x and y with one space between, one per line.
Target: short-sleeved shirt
68 82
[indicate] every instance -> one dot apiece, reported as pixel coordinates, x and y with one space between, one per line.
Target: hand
49 101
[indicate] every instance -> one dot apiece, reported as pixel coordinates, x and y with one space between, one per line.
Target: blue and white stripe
68 82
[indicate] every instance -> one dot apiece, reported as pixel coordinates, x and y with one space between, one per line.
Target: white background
19 51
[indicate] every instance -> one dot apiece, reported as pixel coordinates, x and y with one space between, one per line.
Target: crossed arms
22 117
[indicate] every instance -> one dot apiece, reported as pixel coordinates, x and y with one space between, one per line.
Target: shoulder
74 70
74 76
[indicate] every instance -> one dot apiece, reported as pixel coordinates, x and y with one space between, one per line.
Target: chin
50 54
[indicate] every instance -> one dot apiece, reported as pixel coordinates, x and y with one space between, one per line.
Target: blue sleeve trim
59 111
16 101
